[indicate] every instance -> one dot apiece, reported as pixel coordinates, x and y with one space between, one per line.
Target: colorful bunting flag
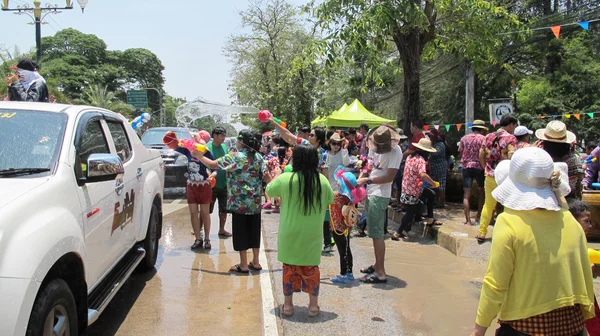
591 114
458 126
568 116
585 25
494 122
556 30
426 127
578 116
437 127
447 128
470 125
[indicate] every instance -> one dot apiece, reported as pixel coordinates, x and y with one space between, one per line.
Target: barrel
592 199
454 189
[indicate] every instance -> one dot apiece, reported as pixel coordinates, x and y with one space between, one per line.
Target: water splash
186 114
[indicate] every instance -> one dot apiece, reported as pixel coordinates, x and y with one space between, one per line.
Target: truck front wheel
54 311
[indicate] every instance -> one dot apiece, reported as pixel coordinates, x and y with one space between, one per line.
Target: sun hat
425 144
382 139
522 130
501 171
479 124
348 186
533 182
556 131
335 137
400 132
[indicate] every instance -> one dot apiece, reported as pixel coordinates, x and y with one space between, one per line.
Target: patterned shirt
244 181
497 146
469 148
413 168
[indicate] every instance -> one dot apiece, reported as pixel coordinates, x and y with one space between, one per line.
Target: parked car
175 162
80 210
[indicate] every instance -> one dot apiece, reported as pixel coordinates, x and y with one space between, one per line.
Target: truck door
128 210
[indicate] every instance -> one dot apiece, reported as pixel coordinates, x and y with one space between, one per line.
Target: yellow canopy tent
354 115
342 109
319 121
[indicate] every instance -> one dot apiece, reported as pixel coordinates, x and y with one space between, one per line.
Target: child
582 214
343 217
305 195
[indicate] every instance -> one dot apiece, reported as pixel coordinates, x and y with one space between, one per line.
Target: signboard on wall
497 110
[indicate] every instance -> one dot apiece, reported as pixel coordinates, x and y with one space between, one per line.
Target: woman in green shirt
305 196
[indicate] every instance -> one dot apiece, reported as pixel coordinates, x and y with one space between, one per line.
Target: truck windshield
30 141
155 137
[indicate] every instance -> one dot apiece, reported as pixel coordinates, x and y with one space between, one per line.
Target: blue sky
187 35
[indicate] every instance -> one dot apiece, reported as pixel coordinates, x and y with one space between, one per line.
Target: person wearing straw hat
496 147
471 167
558 142
386 156
415 172
539 280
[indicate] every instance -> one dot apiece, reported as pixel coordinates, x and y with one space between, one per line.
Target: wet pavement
430 291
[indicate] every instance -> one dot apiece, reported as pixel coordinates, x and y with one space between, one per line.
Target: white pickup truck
80 210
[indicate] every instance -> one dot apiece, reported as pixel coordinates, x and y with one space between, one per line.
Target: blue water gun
595 186
589 159
425 184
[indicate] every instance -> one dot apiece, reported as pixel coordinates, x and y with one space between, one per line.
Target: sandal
360 234
224 234
237 268
207 245
287 313
372 279
480 239
397 236
368 270
197 244
340 279
314 313
251 266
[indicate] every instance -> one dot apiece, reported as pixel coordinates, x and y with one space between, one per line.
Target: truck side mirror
103 167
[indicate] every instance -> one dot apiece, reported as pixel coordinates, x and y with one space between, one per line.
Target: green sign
137 98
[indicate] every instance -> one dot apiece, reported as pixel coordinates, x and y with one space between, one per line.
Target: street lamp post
39 13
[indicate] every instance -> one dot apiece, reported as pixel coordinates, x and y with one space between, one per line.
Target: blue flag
585 25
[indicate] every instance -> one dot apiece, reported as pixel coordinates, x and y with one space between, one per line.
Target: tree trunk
409 46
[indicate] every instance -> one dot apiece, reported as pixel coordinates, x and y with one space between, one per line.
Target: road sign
137 98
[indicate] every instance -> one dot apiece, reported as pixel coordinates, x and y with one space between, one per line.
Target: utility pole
469 97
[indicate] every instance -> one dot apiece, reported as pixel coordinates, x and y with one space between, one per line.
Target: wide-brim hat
425 144
556 131
335 137
501 171
532 182
382 139
400 132
479 124
348 185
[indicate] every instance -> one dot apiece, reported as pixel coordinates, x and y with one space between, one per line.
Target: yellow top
538 263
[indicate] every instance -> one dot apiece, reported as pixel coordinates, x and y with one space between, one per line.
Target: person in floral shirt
245 169
497 146
471 167
415 171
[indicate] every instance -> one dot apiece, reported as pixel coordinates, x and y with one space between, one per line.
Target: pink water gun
265 115
191 145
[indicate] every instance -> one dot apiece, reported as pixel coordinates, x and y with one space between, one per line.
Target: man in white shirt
385 155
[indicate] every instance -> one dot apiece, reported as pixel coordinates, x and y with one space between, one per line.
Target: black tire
54 303
151 241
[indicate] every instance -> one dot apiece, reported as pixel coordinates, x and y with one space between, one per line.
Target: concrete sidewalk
429 291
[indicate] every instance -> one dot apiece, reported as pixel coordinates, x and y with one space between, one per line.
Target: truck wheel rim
57 322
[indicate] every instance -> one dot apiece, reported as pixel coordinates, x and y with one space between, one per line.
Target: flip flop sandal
480 239
251 265
314 313
238 269
360 234
373 279
227 234
436 222
288 313
368 270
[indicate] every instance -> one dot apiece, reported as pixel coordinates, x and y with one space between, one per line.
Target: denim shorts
472 173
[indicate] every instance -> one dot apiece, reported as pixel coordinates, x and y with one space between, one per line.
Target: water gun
424 184
191 145
140 120
365 165
589 159
594 256
595 186
264 115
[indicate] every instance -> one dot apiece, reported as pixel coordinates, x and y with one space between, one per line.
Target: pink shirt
469 150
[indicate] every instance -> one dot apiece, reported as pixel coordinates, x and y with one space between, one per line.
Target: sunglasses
311 135
336 143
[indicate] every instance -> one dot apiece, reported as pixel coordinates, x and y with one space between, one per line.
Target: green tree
99 96
415 28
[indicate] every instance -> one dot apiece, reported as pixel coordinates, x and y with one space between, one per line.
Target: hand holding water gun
589 159
191 145
265 116
425 184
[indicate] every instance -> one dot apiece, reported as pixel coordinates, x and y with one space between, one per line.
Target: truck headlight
181 160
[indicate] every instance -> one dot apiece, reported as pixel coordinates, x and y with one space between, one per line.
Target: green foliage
99 96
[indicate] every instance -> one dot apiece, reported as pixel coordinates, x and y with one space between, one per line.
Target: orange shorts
198 193
305 278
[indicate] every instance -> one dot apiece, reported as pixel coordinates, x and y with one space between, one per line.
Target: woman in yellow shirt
539 280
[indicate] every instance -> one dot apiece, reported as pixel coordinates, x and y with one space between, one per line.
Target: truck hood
13 188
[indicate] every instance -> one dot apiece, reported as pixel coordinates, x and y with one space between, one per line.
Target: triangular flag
426 127
542 117
494 122
585 25
568 116
578 116
470 125
437 127
591 114
458 126
556 30
447 128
